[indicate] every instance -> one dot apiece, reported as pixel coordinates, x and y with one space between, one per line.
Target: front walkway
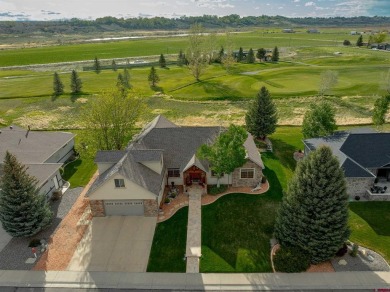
194 228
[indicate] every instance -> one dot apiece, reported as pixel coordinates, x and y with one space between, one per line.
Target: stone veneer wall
97 208
377 197
150 208
247 182
358 186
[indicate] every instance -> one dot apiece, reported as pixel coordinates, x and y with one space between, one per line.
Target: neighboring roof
129 166
194 161
252 151
109 156
369 150
357 150
179 143
43 172
157 123
31 146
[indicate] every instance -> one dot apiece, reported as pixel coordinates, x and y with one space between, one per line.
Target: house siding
358 186
150 208
97 208
237 181
62 154
48 187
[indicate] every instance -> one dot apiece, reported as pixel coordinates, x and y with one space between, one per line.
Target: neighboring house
132 181
364 156
288 30
42 152
313 30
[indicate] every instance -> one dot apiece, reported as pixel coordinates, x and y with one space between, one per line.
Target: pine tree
314 211
162 61
262 116
97 66
75 83
359 41
250 58
221 55
58 86
153 77
275 55
261 54
240 55
180 59
23 211
114 66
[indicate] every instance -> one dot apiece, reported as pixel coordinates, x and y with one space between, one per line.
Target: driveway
4 237
115 243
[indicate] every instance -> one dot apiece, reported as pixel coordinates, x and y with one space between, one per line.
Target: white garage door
124 207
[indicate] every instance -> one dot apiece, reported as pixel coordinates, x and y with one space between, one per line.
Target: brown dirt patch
63 243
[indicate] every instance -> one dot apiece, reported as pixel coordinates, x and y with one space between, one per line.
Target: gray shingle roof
109 156
351 169
371 150
36 147
252 151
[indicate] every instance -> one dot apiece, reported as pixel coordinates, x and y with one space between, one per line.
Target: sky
92 9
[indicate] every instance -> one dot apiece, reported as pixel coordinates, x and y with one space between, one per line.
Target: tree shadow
221 91
75 96
376 214
157 88
285 153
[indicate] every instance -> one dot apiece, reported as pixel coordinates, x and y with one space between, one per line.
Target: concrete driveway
115 244
4 238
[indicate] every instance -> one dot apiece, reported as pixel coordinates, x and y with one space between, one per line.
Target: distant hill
160 23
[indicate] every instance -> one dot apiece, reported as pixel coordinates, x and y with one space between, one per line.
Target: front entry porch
194 175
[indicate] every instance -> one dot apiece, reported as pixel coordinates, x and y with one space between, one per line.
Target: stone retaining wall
97 208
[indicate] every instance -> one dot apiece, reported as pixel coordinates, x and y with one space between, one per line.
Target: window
247 172
119 183
213 173
173 172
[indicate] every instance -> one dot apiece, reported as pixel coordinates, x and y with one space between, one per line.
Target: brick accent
237 181
150 208
97 208
358 186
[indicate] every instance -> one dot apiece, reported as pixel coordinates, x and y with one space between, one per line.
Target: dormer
152 159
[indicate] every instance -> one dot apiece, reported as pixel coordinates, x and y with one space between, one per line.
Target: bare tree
328 80
386 81
228 59
197 52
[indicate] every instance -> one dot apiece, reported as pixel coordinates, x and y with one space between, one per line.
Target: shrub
214 190
342 251
34 242
167 200
263 179
291 260
346 43
354 251
357 198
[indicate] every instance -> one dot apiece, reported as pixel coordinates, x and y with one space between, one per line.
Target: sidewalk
353 281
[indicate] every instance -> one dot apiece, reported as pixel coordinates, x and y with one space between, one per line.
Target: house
313 30
42 152
288 30
364 156
132 181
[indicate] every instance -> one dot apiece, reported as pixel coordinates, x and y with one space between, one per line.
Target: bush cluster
291 260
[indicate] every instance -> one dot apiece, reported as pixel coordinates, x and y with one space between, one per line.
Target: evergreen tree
97 66
58 86
262 116
114 66
250 58
126 78
162 61
319 120
221 55
359 42
153 77
275 55
240 55
381 107
314 211
23 211
75 83
261 54
120 83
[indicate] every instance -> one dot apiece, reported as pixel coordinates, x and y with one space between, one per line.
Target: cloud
296 1
311 3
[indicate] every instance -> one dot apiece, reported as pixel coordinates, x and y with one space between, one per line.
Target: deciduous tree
197 52
23 211
381 107
261 54
262 117
314 212
319 120
111 118
226 153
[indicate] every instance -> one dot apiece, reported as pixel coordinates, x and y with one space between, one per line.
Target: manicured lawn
79 172
370 226
169 244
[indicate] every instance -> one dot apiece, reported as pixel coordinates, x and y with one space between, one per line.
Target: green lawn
169 244
79 172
